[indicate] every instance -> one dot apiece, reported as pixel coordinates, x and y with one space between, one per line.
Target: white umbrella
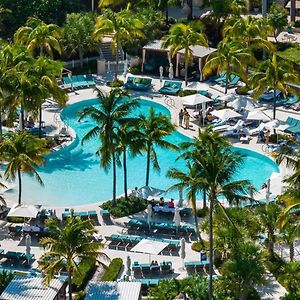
177 218
225 114
182 250
257 115
28 245
148 191
195 99
149 246
171 71
23 211
149 214
128 264
242 102
227 98
125 67
161 73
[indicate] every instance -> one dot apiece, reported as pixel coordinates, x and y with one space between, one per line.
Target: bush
16 219
124 207
135 70
202 212
80 295
183 93
113 270
86 269
297 24
199 246
242 90
116 83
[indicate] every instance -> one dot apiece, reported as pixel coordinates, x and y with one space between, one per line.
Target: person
209 117
181 114
171 204
264 186
184 116
161 201
135 192
261 135
187 120
268 133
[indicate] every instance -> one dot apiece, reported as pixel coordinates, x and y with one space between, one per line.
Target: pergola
199 52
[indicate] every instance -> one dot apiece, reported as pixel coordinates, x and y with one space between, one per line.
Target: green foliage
183 93
80 295
200 245
290 296
15 220
242 90
135 70
124 207
202 212
291 54
290 276
86 269
113 270
277 17
297 24
116 83
5 278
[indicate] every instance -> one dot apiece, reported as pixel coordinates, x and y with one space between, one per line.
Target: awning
199 51
149 247
225 114
195 99
23 211
257 115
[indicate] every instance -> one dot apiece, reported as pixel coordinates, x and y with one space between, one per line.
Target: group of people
161 202
264 136
184 118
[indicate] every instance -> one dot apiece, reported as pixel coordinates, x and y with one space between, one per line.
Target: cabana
23 211
199 52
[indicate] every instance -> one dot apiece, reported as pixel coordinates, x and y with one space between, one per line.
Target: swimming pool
72 176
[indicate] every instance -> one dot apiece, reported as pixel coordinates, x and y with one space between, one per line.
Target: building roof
156 45
31 288
113 291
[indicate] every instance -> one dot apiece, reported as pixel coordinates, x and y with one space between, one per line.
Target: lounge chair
68 82
171 87
76 82
82 80
268 96
221 77
234 130
138 83
90 80
294 125
105 214
129 82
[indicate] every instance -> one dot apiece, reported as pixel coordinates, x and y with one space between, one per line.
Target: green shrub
183 93
290 296
113 270
116 83
297 23
16 219
202 212
86 269
135 70
5 278
80 295
242 90
199 246
124 207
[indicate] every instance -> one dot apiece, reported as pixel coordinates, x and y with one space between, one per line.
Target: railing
76 62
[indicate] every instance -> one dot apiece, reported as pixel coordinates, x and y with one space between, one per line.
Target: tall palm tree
37 35
155 128
182 36
23 154
112 112
123 26
274 74
231 56
69 242
129 140
289 232
216 165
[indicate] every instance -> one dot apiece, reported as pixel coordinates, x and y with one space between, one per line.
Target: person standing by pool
180 115
187 120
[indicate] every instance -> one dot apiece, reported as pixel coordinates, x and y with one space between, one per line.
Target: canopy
225 114
148 191
149 247
227 97
23 211
242 102
195 99
257 115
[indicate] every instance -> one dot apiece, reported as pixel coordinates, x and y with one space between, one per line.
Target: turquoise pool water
72 176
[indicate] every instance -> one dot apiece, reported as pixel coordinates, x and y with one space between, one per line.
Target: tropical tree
37 35
274 74
289 232
129 140
268 217
77 35
243 271
5 278
277 18
231 56
68 243
155 128
290 276
112 112
123 26
23 154
216 164
182 36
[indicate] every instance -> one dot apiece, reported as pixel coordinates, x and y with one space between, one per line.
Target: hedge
113 270
86 269
16 219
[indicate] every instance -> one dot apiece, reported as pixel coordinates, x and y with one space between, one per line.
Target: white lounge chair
234 130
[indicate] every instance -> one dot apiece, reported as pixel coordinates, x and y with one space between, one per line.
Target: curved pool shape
72 176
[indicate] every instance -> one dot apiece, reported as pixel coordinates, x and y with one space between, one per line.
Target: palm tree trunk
274 104
117 62
22 118
125 174
204 200
271 244
226 84
81 58
186 72
292 251
195 217
148 165
20 187
211 207
190 4
114 178
70 285
293 12
1 131
40 121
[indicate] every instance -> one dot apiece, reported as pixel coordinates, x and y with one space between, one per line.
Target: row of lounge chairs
149 270
79 81
19 256
197 267
232 82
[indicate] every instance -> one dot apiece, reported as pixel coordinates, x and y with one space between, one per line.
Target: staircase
106 50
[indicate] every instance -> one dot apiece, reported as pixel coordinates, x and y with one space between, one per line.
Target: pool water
72 176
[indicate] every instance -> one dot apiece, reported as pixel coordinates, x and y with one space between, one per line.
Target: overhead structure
149 247
225 114
195 99
23 211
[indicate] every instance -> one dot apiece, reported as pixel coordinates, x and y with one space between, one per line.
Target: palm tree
129 140
182 36
216 164
290 277
112 112
155 128
289 233
69 242
274 74
5 278
37 35
123 26
23 154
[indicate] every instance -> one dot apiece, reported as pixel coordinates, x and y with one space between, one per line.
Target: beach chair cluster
84 215
17 256
79 81
268 96
171 87
124 242
294 125
138 83
147 282
151 270
197 267
168 228
232 82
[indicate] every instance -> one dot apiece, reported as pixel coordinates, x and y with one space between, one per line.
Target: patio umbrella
148 191
28 246
125 67
149 247
171 71
257 115
128 264
23 211
149 214
177 218
195 99
225 114
242 102
182 250
161 73
227 98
